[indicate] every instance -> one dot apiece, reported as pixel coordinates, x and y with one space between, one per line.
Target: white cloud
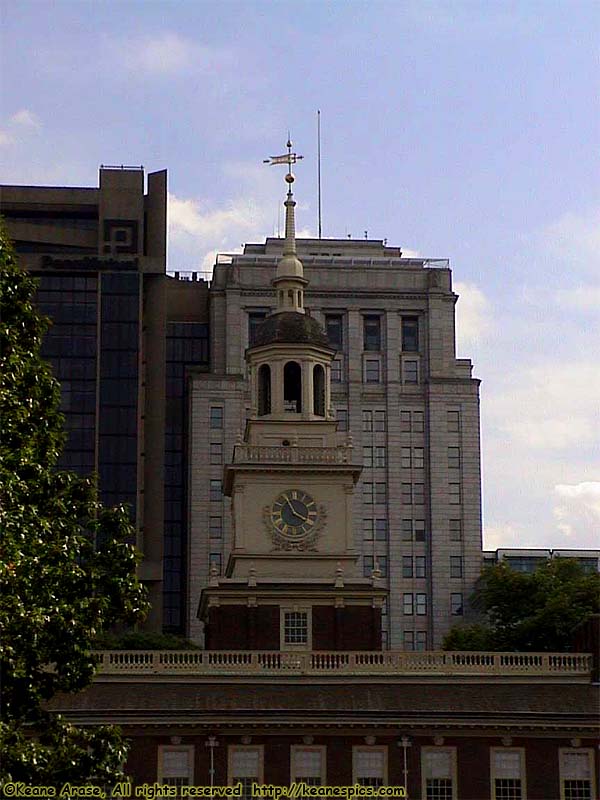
577 512
6 138
574 239
171 54
474 320
25 118
581 298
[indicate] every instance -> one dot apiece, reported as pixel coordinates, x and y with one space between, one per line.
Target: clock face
294 514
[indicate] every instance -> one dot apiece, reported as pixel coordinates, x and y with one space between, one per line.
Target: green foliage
142 640
58 590
537 611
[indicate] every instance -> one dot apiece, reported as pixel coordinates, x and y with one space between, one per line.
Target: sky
460 130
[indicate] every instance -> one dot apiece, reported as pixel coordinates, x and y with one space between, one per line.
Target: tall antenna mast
319 166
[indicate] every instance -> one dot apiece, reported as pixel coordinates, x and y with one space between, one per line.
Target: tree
67 570
537 611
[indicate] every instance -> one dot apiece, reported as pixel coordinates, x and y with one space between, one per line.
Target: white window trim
167 748
522 769
301 609
562 751
454 776
320 748
232 748
370 749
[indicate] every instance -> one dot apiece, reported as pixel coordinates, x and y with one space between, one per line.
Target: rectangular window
410 371
382 563
245 766
407 530
407 604
576 774
418 458
214 560
456 604
380 458
405 426
372 370
507 774
408 640
367 456
295 627
255 320
421 604
438 771
380 493
369 766
381 530
406 491
419 526
342 419
379 420
421 641
384 639
216 490
420 567
410 334
407 567
453 421
308 765
405 458
418 422
368 566
336 370
455 530
454 494
367 530
216 417
216 453
372 332
456 567
419 494
368 494
175 765
367 421
334 327
215 527
454 458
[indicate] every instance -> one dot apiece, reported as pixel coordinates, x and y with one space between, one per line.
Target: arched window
264 390
292 387
291 297
319 390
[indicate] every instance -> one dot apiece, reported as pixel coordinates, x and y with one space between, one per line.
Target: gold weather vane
288 158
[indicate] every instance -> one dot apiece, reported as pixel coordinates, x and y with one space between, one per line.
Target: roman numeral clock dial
294 520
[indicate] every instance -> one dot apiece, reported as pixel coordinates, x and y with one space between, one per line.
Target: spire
289 280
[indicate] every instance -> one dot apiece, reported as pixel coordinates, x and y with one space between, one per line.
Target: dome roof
290 327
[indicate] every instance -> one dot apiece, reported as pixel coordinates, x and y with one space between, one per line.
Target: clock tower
292 580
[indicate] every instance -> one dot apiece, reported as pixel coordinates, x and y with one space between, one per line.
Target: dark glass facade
187 344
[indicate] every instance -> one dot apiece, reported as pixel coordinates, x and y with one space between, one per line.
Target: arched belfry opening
319 390
292 387
264 390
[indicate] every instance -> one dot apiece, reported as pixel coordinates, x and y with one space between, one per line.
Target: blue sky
467 130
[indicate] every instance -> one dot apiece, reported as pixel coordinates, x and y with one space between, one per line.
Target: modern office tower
122 336
410 406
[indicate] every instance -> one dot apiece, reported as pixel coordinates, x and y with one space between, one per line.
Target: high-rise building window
215 527
255 320
438 773
367 493
336 370
380 492
576 774
405 426
216 490
175 765
454 458
367 456
368 566
407 567
372 370
407 604
368 530
417 422
453 421
367 421
411 421
405 458
215 561
418 458
456 567
372 332
334 327
406 493
369 767
407 530
419 494
454 494
381 530
379 420
382 563
456 604
421 641
216 453
507 773
420 567
419 526
380 459
421 604
455 527
216 417
408 640
410 371
410 334
341 415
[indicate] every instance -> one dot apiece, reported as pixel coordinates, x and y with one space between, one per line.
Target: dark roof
290 327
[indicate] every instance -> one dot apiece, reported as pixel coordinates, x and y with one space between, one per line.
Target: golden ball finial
289 178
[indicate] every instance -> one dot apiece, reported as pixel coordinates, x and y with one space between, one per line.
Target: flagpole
319 165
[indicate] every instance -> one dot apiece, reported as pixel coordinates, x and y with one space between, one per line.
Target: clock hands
294 512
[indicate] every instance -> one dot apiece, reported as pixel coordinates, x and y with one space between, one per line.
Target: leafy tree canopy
537 611
67 570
